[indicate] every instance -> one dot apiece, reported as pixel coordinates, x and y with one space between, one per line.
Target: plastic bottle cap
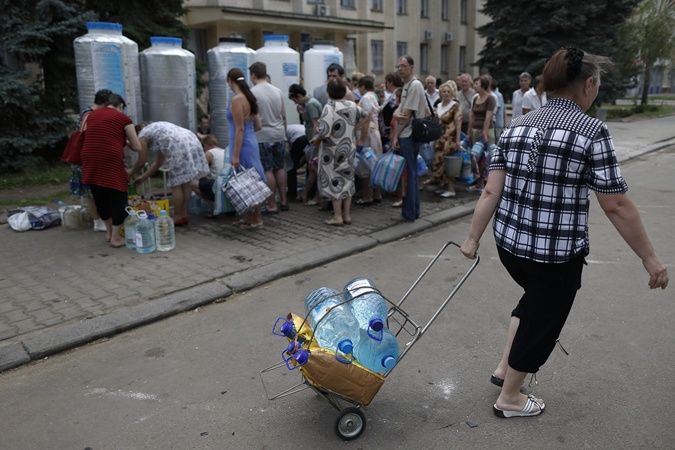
166 40
301 356
388 361
162 213
291 347
104 26
287 327
376 324
346 346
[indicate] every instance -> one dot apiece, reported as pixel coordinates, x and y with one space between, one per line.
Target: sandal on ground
311 203
268 212
448 194
363 202
118 245
496 380
236 223
347 222
250 226
283 207
397 204
532 408
181 222
334 222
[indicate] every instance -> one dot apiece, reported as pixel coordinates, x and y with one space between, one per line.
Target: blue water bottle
338 330
377 355
367 305
145 234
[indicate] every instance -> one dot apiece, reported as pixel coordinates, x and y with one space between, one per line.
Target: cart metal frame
351 421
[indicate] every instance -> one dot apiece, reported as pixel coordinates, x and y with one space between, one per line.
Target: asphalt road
192 381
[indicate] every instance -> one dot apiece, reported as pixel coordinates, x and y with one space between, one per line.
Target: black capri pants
550 289
110 203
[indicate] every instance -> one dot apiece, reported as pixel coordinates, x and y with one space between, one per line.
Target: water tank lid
320 42
232 39
166 40
104 26
275 37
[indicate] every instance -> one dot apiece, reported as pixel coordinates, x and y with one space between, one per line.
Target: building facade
439 34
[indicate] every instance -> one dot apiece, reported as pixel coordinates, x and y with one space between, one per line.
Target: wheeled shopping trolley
343 382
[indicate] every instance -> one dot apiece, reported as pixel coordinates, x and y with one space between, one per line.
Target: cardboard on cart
349 380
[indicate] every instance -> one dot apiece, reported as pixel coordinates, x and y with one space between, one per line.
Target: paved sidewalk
62 289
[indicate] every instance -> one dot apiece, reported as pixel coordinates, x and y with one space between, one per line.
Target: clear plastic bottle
377 355
195 205
339 329
145 234
165 233
367 305
130 227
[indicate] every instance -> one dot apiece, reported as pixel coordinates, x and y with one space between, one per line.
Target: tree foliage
39 34
652 30
522 35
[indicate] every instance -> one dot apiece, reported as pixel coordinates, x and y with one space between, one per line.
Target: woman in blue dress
243 121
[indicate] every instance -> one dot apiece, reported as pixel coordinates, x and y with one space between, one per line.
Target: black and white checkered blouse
552 157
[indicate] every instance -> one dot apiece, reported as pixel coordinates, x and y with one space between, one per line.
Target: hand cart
337 380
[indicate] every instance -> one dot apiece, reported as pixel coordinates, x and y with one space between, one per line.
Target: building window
444 58
315 2
402 6
377 56
462 12
444 10
348 4
401 49
462 59
376 5
424 8
424 58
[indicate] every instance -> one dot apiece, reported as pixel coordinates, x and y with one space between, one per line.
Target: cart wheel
350 424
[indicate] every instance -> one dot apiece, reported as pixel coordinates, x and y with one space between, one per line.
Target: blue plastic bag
422 168
466 175
427 152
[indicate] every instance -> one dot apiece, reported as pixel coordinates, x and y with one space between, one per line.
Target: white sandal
527 411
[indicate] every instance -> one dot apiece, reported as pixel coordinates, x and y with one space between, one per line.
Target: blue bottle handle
290 350
279 331
344 351
379 334
301 357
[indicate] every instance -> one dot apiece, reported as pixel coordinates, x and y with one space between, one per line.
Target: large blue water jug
377 355
367 305
145 234
339 329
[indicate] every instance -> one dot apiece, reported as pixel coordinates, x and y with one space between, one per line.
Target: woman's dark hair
101 97
484 81
394 79
295 89
570 65
367 83
237 77
116 100
336 89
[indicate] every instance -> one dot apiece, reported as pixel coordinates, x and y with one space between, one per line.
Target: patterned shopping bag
387 172
246 190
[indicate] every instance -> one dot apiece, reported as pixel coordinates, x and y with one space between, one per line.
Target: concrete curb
632 154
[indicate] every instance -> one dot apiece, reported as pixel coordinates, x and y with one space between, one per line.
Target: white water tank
315 62
230 53
168 82
105 59
283 67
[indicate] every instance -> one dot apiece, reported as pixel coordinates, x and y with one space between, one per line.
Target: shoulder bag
426 129
72 154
